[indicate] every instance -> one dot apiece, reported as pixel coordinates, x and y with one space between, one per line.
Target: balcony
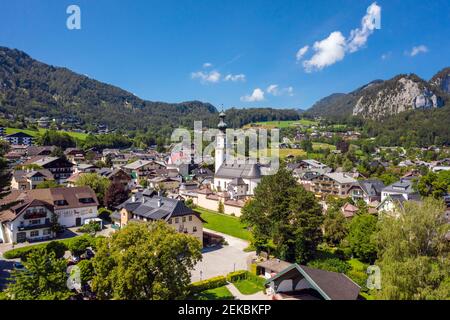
34 226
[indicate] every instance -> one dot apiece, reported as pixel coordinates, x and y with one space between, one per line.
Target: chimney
143 199
133 198
159 202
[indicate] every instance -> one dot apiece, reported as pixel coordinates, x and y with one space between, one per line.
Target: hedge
23 252
207 284
237 275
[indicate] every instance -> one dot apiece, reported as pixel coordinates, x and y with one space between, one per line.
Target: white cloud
257 95
274 89
301 52
370 22
235 77
207 77
417 50
334 48
327 52
207 65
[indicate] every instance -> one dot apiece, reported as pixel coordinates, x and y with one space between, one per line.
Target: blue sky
235 53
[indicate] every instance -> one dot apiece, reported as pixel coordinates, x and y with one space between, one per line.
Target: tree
307 145
434 184
57 247
79 245
95 182
86 271
220 207
115 195
335 227
285 214
47 184
414 254
44 278
145 261
361 237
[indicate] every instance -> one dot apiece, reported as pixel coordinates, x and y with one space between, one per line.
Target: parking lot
223 259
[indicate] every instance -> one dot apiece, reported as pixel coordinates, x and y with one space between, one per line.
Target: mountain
442 80
380 99
34 89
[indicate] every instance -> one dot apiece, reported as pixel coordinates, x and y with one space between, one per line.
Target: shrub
331 264
207 284
237 275
79 245
57 247
104 214
21 253
86 270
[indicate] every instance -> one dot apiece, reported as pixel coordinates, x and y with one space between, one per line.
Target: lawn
224 223
283 124
283 153
318 146
250 285
76 135
220 293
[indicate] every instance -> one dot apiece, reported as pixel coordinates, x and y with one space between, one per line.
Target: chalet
115 175
164 183
349 211
29 179
19 138
33 151
298 282
74 155
141 169
59 167
145 207
403 188
367 190
72 205
28 221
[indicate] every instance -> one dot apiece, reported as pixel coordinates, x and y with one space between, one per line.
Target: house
28 221
60 168
74 155
115 175
19 138
29 179
72 206
271 267
349 210
141 169
298 282
145 207
85 168
403 187
367 190
33 151
336 184
164 183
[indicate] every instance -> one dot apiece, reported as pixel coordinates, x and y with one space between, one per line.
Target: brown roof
275 265
71 195
13 212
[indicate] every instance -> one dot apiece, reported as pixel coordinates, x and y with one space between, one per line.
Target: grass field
283 124
249 286
224 223
76 135
220 293
318 146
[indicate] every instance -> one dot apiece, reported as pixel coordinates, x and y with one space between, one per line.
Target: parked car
18 266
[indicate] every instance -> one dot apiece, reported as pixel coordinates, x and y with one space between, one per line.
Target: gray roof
401 186
340 177
155 207
371 187
236 170
137 164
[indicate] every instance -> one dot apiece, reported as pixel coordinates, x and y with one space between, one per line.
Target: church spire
222 125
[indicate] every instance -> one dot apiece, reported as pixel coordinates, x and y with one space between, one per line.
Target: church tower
220 142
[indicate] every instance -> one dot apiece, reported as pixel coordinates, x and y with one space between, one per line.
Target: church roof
238 170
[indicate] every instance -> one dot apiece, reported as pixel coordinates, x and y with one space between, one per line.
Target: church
239 180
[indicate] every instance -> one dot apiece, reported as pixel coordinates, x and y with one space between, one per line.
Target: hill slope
34 89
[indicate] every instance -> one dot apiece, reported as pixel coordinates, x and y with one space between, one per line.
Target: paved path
239 296
221 260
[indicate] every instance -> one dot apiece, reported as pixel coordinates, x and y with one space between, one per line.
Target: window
34 233
190 218
169 221
35 222
47 232
194 229
184 219
177 220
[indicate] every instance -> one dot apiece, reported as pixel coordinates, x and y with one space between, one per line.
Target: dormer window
86 200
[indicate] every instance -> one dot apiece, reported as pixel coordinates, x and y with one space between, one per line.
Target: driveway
222 260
